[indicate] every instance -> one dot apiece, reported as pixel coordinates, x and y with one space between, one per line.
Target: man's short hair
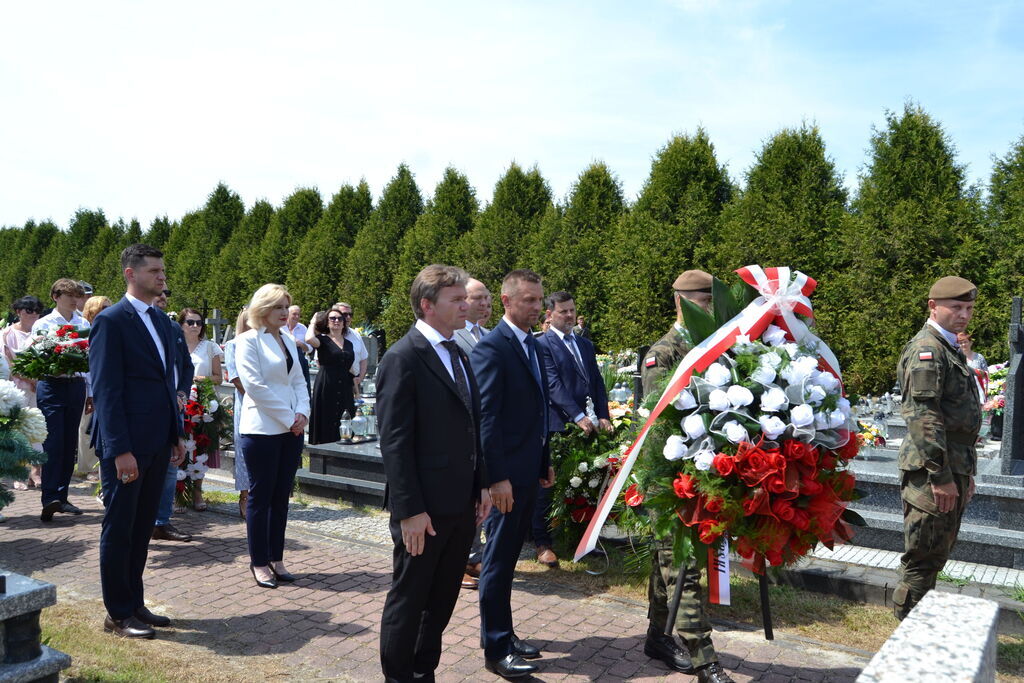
511 282
134 255
430 281
66 285
555 298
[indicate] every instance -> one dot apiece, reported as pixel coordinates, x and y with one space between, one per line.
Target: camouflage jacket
663 356
940 405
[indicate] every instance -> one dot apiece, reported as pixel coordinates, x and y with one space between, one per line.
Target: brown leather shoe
473 569
167 532
546 556
470 582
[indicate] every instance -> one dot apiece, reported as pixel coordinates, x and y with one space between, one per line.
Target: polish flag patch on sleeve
924 355
650 362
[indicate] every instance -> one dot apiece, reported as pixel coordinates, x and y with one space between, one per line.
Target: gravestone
373 355
215 322
22 656
1012 447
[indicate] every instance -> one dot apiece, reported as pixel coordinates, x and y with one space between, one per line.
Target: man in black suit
132 359
573 377
428 408
514 433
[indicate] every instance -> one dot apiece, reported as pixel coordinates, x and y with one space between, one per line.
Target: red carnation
725 464
685 486
64 330
58 349
633 496
73 335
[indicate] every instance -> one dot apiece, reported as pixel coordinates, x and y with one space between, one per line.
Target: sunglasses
336 318
193 323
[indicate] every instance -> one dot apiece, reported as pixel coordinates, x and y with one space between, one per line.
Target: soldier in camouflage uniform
937 459
691 621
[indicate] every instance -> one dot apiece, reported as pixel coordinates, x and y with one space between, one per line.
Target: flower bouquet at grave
583 465
870 434
22 429
995 399
206 421
64 351
748 443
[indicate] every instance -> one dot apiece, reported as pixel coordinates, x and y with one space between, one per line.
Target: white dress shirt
298 333
476 330
142 308
435 339
521 336
52 321
949 336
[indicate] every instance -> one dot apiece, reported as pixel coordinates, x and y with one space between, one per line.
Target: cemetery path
326 625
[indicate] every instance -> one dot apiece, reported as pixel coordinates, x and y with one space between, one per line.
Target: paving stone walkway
326 626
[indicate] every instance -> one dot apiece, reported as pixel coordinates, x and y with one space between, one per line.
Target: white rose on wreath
575 482
675 448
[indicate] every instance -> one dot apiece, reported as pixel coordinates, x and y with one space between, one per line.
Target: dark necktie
462 386
574 352
475 332
531 345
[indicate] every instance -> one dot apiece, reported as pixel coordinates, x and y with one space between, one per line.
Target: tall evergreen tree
159 232
371 263
577 259
448 216
679 208
502 236
793 212
297 216
222 213
913 216
1004 277
101 265
66 252
316 272
235 272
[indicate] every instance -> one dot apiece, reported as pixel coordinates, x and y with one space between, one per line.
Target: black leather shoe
128 628
49 509
260 582
146 617
70 509
663 647
713 673
511 666
282 577
524 649
167 532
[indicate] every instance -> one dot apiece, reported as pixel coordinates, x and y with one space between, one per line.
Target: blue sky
141 109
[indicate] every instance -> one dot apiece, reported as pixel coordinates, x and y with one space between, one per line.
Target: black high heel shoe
260 582
283 577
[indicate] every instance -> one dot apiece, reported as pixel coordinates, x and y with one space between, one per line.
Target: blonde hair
93 306
263 300
242 322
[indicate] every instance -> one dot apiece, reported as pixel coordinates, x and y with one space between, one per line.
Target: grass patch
76 627
957 581
214 497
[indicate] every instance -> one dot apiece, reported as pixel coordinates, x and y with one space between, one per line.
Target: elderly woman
206 357
14 339
231 375
275 410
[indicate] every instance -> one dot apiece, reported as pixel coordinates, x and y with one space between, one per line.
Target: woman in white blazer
275 410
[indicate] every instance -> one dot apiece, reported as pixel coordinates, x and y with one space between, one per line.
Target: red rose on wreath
633 496
755 465
708 533
725 464
849 450
685 486
713 504
783 510
202 441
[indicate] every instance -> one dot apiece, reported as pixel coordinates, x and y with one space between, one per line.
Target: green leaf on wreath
725 305
699 323
851 517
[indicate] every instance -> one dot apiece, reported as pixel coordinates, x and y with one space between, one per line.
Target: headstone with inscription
1012 448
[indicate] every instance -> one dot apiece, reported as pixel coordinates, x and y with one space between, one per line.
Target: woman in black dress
332 391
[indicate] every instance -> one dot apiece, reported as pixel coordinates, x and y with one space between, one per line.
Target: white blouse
202 357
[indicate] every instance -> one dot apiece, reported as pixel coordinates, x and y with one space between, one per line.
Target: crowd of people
465 415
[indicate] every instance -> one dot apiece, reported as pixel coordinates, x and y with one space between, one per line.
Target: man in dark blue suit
132 358
514 436
573 376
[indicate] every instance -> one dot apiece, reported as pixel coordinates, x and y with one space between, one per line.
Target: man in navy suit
573 377
514 435
132 358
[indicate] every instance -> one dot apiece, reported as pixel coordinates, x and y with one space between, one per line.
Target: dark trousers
127 528
304 364
61 400
505 535
272 461
541 525
424 590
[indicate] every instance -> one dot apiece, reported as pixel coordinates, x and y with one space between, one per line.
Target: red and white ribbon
718 573
784 293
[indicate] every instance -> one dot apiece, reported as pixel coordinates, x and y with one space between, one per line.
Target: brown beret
693 281
952 287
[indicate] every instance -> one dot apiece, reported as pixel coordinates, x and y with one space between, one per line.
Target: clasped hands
588 426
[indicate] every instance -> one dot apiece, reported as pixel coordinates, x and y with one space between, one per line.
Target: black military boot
713 673
660 645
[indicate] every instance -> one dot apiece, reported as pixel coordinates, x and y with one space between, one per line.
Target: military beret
952 287
693 281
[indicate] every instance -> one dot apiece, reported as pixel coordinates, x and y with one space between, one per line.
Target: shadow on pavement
345 582
272 632
30 555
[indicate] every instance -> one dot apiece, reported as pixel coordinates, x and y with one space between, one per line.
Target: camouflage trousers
691 620
928 537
